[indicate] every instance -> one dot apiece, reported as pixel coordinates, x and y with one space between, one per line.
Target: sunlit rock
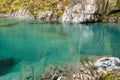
107 63
82 11
45 15
20 14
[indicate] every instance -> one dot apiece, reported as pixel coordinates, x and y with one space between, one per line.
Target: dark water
54 43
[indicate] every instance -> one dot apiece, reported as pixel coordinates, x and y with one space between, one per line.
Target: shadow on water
6 64
62 34
3 17
10 24
42 22
59 32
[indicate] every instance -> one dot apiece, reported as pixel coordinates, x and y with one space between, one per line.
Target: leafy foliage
34 6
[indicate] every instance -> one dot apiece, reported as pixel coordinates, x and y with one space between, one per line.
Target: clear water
54 43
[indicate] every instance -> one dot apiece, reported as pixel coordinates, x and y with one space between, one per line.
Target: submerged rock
10 24
6 65
50 73
107 63
82 70
27 72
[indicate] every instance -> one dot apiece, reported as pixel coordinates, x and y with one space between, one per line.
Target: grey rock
45 15
81 12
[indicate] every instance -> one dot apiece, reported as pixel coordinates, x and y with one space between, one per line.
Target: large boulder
107 63
82 11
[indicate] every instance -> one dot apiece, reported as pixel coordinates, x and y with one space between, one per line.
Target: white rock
81 12
110 63
45 15
59 78
21 14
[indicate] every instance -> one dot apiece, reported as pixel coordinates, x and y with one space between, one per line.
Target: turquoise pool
55 43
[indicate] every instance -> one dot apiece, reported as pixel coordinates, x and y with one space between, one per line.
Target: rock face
84 11
108 63
21 14
80 11
47 16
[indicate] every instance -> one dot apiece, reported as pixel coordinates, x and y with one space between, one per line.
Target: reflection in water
94 38
9 24
47 39
58 43
80 36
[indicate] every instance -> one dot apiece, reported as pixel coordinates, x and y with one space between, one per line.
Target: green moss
118 19
115 14
109 8
34 6
113 75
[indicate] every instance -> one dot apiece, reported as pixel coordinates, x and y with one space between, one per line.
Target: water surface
54 43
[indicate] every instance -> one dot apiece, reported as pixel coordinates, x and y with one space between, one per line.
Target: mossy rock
109 10
115 17
113 6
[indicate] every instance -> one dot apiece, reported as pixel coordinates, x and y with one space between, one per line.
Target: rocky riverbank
106 68
87 68
78 11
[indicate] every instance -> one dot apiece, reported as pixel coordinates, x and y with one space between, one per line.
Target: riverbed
43 44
